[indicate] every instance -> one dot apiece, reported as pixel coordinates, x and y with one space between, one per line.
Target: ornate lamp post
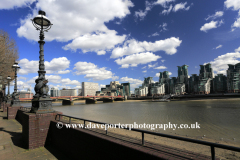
8 95
15 96
41 102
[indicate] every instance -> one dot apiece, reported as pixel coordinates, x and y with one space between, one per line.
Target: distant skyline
122 40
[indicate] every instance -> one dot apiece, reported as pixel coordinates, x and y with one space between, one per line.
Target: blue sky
123 40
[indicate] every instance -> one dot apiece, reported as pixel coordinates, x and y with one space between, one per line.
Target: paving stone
1 148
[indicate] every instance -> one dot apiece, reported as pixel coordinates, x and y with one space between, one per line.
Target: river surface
218 119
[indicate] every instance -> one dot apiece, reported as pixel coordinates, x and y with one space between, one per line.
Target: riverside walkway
11 145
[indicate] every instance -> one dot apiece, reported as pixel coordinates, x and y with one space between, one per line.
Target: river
218 119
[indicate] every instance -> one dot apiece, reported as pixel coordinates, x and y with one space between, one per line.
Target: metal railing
212 145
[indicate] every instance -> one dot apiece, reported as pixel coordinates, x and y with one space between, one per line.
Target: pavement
11 147
11 143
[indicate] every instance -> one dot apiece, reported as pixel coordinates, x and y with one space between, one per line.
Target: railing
212 145
25 108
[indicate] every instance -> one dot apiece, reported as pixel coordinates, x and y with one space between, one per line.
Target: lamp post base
41 105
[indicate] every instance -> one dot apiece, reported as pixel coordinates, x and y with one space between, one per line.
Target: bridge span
69 100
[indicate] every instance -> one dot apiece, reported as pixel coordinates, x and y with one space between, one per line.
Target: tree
8 55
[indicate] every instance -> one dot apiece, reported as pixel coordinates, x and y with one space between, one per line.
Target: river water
218 119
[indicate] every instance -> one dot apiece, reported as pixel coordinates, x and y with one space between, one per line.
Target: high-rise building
89 88
164 79
220 83
233 77
79 92
54 92
193 83
68 92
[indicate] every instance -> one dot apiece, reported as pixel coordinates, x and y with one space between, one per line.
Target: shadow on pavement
16 138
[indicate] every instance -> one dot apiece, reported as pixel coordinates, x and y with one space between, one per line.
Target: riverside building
233 75
89 88
68 92
204 83
25 94
115 89
54 92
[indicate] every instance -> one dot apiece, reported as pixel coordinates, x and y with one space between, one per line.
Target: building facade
204 83
220 83
80 92
89 88
25 94
233 73
68 92
115 89
54 92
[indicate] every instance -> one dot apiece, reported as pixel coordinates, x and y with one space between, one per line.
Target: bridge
69 100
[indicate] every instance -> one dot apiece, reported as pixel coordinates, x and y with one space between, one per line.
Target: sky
122 40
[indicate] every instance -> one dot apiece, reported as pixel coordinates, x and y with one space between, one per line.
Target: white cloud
157 74
20 77
102 52
144 71
22 85
78 21
180 6
162 60
163 3
56 65
138 58
236 24
53 78
151 66
235 4
167 11
216 15
95 42
220 64
91 70
133 82
11 4
56 79
163 27
154 34
132 46
70 82
144 67
237 50
211 25
170 73
220 46
161 67
63 72
141 14
78 87
101 86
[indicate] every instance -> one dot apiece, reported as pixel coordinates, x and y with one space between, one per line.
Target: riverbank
11 146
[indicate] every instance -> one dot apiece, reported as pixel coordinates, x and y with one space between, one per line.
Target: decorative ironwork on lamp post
41 102
15 96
